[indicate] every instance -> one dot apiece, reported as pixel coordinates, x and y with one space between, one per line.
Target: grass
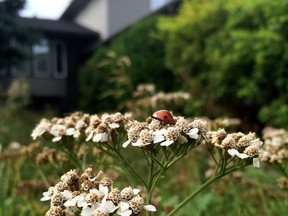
251 192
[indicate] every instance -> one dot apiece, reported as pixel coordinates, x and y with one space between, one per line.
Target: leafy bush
146 52
232 57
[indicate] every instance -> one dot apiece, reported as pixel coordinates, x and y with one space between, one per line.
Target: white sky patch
156 4
47 9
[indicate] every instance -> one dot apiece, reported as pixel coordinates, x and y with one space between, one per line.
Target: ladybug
164 116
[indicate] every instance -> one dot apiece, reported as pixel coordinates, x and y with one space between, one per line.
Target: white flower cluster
90 127
275 145
90 195
146 96
173 97
143 134
238 144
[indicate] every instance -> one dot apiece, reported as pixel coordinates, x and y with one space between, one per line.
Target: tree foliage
141 44
232 57
12 37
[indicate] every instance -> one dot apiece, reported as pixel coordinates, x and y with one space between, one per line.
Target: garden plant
161 144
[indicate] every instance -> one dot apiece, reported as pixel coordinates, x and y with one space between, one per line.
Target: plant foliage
142 46
232 57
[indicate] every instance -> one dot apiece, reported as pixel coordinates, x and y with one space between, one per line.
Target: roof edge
73 9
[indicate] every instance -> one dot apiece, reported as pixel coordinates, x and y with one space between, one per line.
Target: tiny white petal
136 191
86 211
89 136
159 132
125 144
242 155
193 133
45 198
69 203
114 125
96 137
123 209
56 139
233 152
158 138
167 143
82 203
67 194
123 206
70 131
150 208
104 137
110 207
138 143
127 212
256 162
103 189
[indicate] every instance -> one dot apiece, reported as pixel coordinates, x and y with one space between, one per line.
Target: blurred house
66 43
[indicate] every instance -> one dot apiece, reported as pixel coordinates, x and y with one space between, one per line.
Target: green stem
84 157
150 187
283 169
193 194
72 155
44 178
136 174
202 187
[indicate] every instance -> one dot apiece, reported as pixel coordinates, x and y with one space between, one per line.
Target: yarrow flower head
243 146
102 198
275 145
80 125
154 131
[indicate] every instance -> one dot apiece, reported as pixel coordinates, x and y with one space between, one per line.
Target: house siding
124 13
94 17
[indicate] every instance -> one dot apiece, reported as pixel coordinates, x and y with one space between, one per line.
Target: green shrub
232 57
146 52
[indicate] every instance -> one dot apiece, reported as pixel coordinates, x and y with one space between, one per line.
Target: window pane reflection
41 54
60 60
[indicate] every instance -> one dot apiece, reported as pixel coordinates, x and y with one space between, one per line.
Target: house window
41 59
59 60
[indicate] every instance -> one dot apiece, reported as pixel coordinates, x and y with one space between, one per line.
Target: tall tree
12 37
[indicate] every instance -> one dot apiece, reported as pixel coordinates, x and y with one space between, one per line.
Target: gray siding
125 12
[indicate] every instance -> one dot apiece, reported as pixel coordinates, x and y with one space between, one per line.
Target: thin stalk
202 187
150 187
44 178
193 194
72 155
84 157
136 174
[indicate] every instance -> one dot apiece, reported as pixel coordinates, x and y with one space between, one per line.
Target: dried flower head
100 212
55 211
183 125
275 145
58 199
200 124
114 195
99 198
127 193
136 204
70 177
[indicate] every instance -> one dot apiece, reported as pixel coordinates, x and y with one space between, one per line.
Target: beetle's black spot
165 116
